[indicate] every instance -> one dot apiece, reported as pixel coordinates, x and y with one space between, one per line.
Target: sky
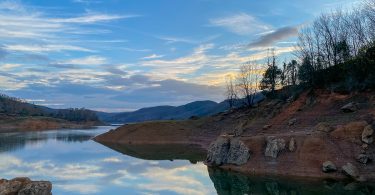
122 55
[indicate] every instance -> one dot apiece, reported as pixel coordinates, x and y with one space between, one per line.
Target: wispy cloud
34 48
275 36
89 60
153 56
242 24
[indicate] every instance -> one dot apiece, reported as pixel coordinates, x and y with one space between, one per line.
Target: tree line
17 107
336 51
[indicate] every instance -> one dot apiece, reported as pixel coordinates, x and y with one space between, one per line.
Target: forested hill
193 109
10 106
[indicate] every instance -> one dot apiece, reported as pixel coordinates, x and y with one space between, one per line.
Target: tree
231 91
292 72
247 81
306 71
272 75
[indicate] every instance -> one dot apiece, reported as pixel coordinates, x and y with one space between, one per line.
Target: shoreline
320 132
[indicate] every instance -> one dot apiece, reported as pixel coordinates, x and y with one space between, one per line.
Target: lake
75 164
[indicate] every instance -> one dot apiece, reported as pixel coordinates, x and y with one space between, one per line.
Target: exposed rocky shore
317 135
19 124
24 186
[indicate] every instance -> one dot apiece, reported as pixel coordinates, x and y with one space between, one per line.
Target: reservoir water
75 164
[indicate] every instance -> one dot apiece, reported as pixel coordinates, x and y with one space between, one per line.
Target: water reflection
229 183
17 141
77 165
193 153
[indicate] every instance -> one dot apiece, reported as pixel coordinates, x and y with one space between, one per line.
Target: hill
19 115
193 109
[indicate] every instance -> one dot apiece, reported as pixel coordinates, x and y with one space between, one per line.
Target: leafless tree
231 90
248 80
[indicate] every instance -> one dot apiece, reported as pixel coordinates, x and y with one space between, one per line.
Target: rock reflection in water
193 153
229 183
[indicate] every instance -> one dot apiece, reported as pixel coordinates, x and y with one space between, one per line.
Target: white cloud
89 60
153 56
92 18
38 48
81 188
7 67
242 24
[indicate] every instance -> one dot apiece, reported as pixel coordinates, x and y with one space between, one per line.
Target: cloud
89 60
92 18
275 36
242 24
7 67
153 56
171 39
44 48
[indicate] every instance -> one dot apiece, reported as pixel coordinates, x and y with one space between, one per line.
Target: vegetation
335 52
16 107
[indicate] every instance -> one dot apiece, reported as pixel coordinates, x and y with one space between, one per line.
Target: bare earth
313 147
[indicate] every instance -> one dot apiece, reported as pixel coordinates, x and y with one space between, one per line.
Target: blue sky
119 55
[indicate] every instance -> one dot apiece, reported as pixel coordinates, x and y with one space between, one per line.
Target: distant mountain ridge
197 108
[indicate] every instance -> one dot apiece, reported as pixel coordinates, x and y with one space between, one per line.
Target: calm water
77 165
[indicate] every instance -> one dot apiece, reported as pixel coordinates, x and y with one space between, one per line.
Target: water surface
77 165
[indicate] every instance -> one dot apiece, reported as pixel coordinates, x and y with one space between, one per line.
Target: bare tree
231 91
248 80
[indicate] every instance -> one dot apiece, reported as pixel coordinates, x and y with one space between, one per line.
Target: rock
367 134
323 127
328 167
265 127
238 153
350 170
37 188
292 145
218 151
351 107
227 150
363 158
274 146
292 122
24 186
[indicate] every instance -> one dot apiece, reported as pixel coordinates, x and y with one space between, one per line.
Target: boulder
350 170
238 153
351 107
227 150
24 186
274 146
367 134
218 151
37 188
363 158
292 145
328 167
292 121
265 127
323 127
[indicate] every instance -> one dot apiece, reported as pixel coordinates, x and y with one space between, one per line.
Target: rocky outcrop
292 121
227 150
292 145
323 127
274 146
24 186
351 171
328 167
363 158
351 107
367 134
